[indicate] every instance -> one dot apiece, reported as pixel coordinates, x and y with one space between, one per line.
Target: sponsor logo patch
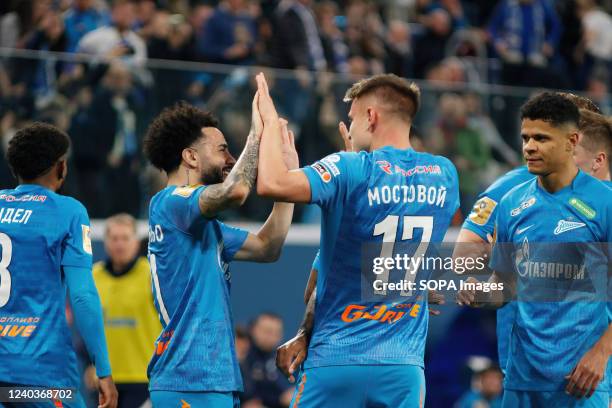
322 171
582 207
482 210
185 191
564 226
385 166
86 238
329 162
524 205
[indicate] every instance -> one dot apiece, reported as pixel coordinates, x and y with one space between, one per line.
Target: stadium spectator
455 138
398 49
130 319
365 34
106 146
42 75
525 35
430 47
332 38
486 391
297 43
267 385
229 35
18 25
117 40
82 17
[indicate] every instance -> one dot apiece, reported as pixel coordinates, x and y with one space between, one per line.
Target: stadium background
104 93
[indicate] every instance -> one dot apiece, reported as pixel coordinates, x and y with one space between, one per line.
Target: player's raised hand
346 137
256 121
266 105
108 394
588 373
290 155
467 297
290 355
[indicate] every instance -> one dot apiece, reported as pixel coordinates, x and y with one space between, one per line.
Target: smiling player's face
215 160
547 148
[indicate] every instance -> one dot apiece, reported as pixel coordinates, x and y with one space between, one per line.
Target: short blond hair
120 219
597 132
400 96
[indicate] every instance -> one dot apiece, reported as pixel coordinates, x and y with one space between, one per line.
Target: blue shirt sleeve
316 262
184 206
481 220
88 315
330 177
76 247
233 239
503 249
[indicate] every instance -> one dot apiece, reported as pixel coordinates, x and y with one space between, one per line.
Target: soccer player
561 348
46 248
189 250
593 152
388 190
477 230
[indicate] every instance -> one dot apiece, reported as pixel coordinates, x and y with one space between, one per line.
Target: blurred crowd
117 63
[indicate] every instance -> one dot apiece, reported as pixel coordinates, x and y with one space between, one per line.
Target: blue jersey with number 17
40 233
399 196
189 256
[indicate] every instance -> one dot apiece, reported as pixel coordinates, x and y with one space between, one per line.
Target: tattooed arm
266 245
234 191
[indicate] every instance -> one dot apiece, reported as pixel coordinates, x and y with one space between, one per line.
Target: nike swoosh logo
521 230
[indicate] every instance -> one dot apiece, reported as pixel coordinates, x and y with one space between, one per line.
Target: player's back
188 255
391 195
40 232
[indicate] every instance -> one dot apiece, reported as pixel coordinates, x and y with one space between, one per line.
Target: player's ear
600 160
572 140
372 119
190 157
61 169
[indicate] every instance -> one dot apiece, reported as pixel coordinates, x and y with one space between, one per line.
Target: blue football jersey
189 257
399 196
543 243
481 222
40 232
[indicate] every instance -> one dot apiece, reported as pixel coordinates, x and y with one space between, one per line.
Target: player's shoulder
597 193
430 159
522 194
507 182
69 205
173 195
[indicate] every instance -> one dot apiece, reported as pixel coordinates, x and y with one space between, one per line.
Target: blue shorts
360 386
176 399
546 399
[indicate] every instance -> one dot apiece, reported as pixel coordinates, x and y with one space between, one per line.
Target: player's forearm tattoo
219 196
245 170
308 321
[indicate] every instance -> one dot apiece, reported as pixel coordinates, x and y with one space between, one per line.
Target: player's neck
45 182
558 180
183 177
604 173
395 136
